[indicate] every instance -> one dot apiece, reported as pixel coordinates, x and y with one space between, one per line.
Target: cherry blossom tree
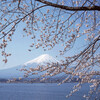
53 22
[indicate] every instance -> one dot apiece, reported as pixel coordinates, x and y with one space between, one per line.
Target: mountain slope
15 73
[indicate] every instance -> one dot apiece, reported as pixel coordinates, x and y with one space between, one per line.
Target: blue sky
19 50
20 54
19 46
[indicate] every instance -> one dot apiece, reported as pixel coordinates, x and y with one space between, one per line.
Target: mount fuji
15 73
42 60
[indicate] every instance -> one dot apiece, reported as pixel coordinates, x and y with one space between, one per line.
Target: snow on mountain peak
43 59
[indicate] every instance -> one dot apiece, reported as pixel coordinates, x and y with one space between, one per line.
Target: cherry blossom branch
19 21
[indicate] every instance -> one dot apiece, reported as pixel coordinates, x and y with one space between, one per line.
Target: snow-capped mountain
15 73
42 60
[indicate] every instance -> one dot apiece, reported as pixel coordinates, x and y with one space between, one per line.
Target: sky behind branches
20 45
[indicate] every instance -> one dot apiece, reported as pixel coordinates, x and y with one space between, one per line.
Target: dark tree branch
70 8
19 3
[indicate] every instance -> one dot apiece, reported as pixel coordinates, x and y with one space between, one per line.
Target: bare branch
19 3
70 8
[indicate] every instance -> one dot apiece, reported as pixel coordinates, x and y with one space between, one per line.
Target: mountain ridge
15 73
